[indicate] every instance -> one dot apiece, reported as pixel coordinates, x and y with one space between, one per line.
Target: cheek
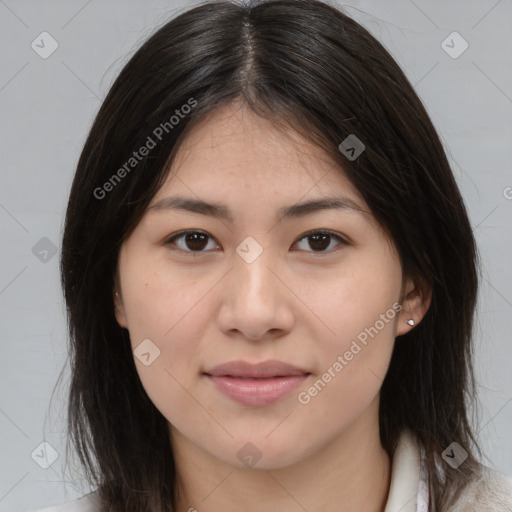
162 299
361 309
167 308
172 323
354 360
361 294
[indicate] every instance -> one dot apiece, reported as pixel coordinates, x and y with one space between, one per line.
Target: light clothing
408 491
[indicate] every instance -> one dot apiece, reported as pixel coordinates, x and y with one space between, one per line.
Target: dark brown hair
306 65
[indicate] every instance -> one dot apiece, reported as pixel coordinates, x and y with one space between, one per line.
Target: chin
261 453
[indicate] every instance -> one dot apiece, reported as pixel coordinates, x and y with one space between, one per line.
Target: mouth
256 384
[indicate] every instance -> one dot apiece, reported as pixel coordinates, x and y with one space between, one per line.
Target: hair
309 67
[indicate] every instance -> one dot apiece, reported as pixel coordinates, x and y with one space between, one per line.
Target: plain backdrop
47 106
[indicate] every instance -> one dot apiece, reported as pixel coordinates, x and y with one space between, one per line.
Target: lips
256 384
261 370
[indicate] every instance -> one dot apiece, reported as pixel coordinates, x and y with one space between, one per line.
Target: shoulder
87 503
491 491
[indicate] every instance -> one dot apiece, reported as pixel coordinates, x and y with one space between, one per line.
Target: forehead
232 147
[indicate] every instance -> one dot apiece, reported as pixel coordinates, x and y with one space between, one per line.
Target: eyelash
315 254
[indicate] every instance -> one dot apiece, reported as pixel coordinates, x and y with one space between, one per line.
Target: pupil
194 241
322 245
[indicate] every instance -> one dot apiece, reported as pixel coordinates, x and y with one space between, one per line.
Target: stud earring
410 322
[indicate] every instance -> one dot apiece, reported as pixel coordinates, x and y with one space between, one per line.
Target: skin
290 304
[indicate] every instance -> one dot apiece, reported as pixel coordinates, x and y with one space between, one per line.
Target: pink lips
256 384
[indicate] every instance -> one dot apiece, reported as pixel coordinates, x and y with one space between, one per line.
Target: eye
190 241
194 242
319 241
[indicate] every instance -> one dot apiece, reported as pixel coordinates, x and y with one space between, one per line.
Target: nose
256 303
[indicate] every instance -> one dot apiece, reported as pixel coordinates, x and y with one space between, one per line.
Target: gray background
47 106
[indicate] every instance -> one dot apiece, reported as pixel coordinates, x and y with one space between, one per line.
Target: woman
270 279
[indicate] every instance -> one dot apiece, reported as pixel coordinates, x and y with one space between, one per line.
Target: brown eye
320 241
196 242
190 241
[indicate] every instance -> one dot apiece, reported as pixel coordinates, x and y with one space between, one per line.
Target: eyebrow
221 211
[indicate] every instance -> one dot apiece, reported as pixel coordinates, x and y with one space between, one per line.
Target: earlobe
119 310
418 295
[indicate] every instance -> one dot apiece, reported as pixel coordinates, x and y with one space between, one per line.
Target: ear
119 310
417 295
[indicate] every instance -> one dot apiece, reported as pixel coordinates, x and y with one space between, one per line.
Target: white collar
405 477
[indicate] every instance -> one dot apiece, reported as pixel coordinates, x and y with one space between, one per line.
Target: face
318 289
